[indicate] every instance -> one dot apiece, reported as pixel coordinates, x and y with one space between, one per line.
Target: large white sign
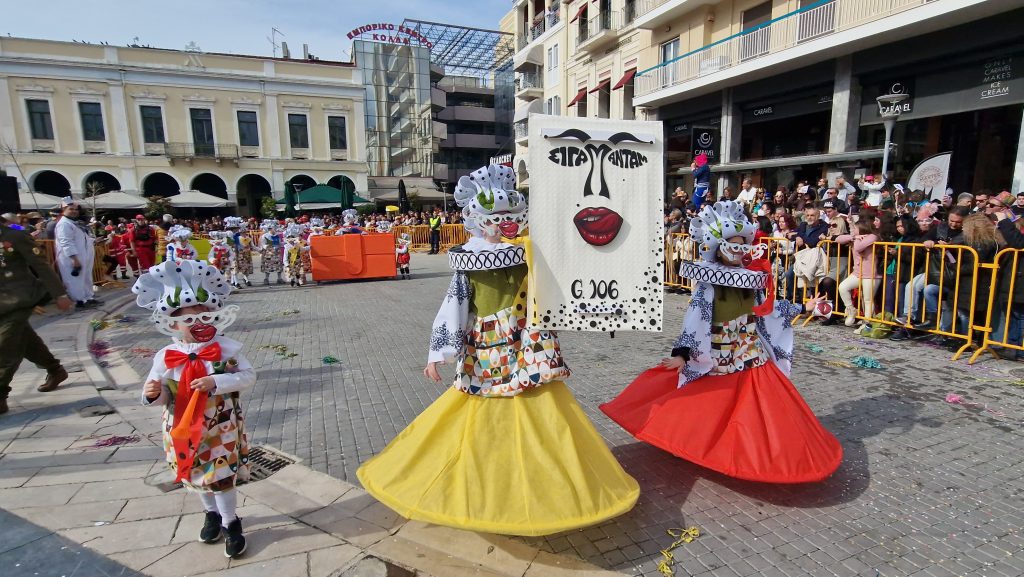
931 175
596 224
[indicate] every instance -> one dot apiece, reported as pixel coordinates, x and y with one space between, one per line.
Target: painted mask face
607 162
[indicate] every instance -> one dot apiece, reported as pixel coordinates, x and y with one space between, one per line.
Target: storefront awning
579 96
626 79
523 110
790 161
578 12
600 85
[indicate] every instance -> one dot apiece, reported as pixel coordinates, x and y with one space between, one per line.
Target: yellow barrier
99 268
1008 261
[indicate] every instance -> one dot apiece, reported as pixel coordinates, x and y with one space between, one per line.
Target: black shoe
234 542
952 344
124 276
925 326
94 302
211 530
80 305
924 337
247 283
293 282
899 335
3 406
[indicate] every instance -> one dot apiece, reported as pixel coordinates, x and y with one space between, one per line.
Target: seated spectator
1008 312
863 276
940 269
902 265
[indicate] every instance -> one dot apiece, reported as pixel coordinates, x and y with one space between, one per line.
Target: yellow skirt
531 465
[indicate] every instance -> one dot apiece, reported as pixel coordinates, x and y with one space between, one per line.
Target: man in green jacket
26 280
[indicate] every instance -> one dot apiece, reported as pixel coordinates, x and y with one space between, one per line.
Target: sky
235 26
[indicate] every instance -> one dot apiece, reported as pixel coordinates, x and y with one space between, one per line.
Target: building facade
155 122
785 90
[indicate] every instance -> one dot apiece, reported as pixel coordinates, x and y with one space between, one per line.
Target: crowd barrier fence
953 292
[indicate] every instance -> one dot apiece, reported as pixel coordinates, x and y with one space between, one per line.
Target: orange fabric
764 309
751 425
188 417
352 256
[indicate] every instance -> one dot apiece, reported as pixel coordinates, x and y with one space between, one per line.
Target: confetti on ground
124 319
116 441
99 349
839 364
955 399
280 350
816 349
283 313
99 324
681 537
329 360
866 362
142 351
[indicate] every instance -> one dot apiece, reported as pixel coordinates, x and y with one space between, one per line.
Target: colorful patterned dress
243 254
223 453
506 449
271 253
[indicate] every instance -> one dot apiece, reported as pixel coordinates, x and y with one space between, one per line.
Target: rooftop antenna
273 39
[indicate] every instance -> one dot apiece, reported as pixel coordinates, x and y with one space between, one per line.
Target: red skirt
752 424
403 258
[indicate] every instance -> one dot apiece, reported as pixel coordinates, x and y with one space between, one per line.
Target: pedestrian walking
26 281
76 253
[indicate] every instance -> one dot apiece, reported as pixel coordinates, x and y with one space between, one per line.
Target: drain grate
264 462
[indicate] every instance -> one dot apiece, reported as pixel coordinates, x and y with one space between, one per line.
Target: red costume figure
142 245
119 245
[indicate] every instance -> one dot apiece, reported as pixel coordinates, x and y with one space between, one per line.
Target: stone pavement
79 495
927 488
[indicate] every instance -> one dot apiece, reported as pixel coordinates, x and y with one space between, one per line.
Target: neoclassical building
155 122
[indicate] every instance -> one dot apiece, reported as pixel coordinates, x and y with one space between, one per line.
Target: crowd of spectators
893 257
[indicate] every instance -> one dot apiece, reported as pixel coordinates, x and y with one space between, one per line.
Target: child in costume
350 223
220 252
271 251
723 399
241 251
294 250
178 247
118 243
197 380
506 449
402 254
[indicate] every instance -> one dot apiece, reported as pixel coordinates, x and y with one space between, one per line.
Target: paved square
926 487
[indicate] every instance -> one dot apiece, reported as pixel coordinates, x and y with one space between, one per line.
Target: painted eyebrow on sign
613 138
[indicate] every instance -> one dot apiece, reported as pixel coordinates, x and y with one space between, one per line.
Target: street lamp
889 109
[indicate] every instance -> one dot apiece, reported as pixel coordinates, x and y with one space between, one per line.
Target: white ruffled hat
487 191
293 230
233 222
349 215
715 224
170 286
178 232
268 224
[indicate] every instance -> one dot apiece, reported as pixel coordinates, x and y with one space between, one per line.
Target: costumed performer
350 223
506 449
723 399
117 244
294 249
241 251
402 254
271 251
220 253
178 246
197 380
142 240
701 180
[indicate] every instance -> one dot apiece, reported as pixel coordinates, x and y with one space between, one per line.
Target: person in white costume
75 254
178 247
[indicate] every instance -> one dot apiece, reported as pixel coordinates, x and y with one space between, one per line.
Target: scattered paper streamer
142 351
681 537
815 349
329 360
280 350
866 362
839 364
955 399
116 441
99 349
99 324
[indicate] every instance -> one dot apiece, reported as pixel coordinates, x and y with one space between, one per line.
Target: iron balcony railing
596 25
529 80
629 13
809 23
190 150
521 129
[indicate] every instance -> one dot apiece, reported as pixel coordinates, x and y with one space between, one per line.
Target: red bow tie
189 405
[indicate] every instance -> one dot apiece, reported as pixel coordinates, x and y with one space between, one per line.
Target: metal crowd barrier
957 290
99 267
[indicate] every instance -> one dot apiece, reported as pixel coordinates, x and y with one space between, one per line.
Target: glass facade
398 109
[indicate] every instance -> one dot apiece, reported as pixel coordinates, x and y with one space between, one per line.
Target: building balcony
652 14
467 113
541 28
599 32
475 141
439 130
188 151
521 131
529 85
824 30
438 99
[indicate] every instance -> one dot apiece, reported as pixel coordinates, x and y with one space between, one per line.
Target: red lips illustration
509 229
203 333
598 226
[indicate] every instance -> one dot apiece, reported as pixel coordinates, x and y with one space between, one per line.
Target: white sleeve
64 239
449 332
243 378
156 373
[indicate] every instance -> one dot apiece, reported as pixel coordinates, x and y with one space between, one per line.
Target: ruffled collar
479 254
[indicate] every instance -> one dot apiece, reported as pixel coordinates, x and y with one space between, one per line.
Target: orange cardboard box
352 256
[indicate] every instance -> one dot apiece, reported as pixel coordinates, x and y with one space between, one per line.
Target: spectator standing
844 188
75 254
864 275
26 281
435 231
1018 206
1008 313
